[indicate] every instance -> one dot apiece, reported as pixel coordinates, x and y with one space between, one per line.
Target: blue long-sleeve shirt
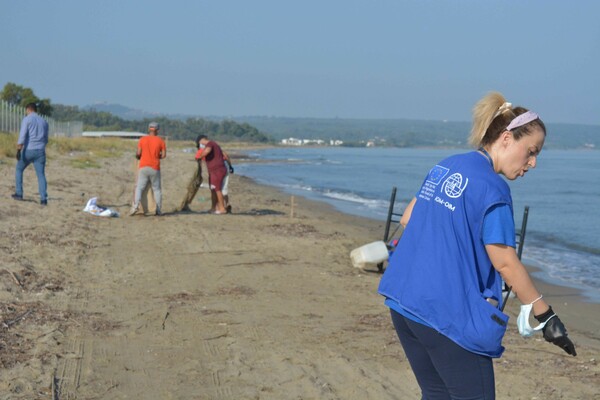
34 132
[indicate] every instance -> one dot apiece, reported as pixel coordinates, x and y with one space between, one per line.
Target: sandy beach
259 304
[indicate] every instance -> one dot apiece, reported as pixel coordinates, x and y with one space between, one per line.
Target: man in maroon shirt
215 163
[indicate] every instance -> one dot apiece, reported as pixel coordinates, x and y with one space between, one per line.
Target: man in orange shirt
151 149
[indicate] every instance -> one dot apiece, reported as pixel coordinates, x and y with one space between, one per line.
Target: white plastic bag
92 208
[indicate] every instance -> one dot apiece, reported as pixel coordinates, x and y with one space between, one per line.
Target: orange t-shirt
151 147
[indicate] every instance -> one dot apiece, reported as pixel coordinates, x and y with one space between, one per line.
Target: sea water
563 194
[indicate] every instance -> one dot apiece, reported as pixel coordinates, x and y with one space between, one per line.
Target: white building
292 142
313 141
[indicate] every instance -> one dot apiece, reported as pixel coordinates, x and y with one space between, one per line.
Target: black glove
230 169
18 154
555 332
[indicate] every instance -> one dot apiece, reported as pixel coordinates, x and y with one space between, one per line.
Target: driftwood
192 188
8 324
15 278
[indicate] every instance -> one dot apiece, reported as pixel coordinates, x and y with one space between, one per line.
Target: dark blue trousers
444 370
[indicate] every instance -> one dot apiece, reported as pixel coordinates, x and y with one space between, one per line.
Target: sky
425 59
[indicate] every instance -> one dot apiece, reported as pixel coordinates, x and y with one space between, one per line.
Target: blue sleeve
23 131
499 226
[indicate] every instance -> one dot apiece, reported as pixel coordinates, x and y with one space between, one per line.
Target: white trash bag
92 208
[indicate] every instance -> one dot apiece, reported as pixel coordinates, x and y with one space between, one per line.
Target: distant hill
407 133
387 132
133 114
120 111
392 132
573 136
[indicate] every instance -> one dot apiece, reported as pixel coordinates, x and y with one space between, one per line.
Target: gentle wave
295 187
562 243
573 269
354 198
340 196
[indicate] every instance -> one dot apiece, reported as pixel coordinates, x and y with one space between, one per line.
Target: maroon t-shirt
214 160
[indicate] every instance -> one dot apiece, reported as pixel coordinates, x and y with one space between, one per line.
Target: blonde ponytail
489 107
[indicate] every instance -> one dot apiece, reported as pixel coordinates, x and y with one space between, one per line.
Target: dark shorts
215 178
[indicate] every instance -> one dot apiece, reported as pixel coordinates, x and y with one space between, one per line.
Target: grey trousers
144 175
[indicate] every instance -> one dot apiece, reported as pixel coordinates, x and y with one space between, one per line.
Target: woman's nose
532 161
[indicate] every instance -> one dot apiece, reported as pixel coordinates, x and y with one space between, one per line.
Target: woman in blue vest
443 284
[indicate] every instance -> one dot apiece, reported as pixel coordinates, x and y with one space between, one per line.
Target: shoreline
569 303
572 290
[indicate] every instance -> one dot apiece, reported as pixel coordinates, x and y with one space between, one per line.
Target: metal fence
11 117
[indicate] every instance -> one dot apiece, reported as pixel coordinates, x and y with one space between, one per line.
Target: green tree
13 93
189 129
21 96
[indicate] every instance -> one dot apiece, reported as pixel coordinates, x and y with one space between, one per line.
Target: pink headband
521 120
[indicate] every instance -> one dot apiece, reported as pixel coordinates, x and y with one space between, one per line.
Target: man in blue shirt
31 148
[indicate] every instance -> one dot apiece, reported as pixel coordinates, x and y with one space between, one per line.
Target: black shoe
17 197
44 202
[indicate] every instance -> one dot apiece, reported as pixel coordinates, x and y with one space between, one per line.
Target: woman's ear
506 137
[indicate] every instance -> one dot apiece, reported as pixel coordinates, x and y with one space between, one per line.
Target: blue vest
440 270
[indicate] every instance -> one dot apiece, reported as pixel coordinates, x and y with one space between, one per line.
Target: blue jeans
38 158
444 370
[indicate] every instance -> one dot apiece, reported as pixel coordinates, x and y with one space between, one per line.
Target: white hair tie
502 108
